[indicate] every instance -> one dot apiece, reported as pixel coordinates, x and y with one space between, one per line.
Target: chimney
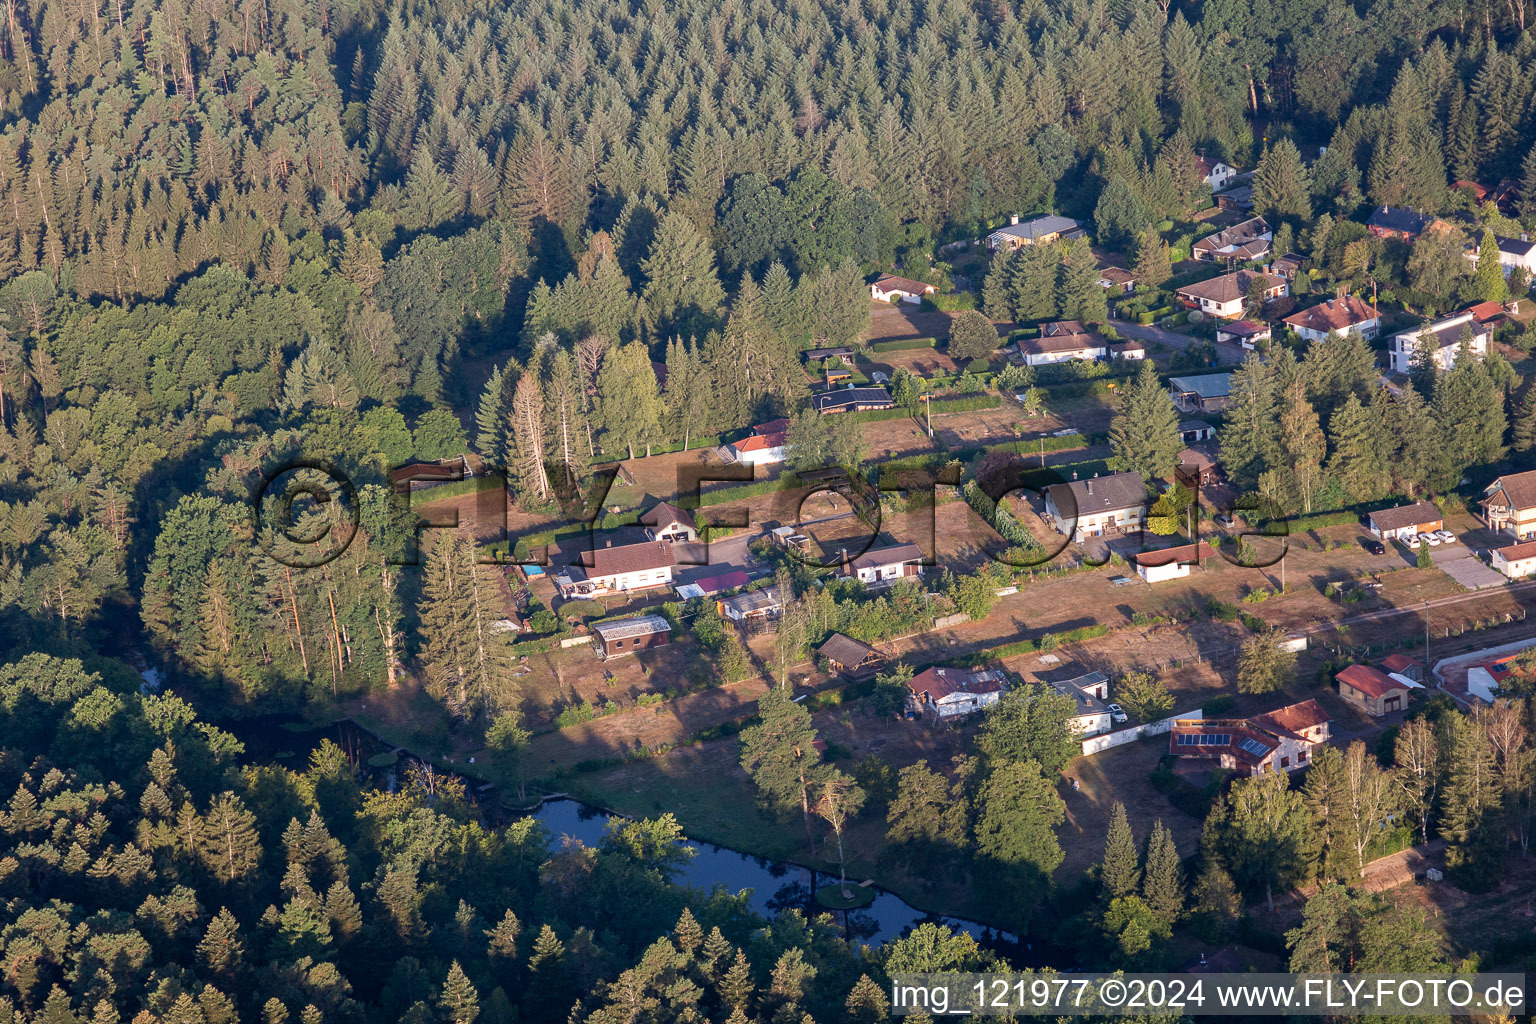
608 544
1074 474
1013 219
1090 486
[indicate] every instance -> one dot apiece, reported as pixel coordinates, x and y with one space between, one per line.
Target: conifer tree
1356 461
682 293
1119 874
1488 283
997 290
1145 431
780 756
1078 295
459 1002
630 407
1034 283
1281 184
1154 264
490 416
526 440
1162 884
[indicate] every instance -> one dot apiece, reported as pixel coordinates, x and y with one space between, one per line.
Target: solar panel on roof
1254 747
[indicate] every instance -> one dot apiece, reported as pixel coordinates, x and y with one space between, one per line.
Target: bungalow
1197 467
1129 349
1278 740
1097 507
855 659
1171 563
1372 690
1396 222
1214 173
754 610
757 450
1192 431
629 636
1246 333
1510 505
709 586
1224 297
1113 279
667 522
1405 522
1247 240
1062 342
1238 199
945 694
1035 231
852 400
1336 316
1516 561
624 568
1287 265
880 566
1089 692
1206 392
1443 338
820 355
890 288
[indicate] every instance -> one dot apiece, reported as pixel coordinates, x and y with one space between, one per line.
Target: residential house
1509 505
756 450
1506 194
1097 507
945 694
890 288
1128 349
1225 297
667 522
819 355
1214 173
1089 692
1516 561
1035 231
1206 392
1197 467
1171 563
1399 664
1287 265
624 568
854 659
1405 522
1061 345
1488 314
1485 680
1338 316
1237 199
1372 690
755 610
709 586
1513 253
1244 241
1280 740
838 373
1402 224
1191 431
1246 333
852 400
629 636
1115 280
881 566
1443 338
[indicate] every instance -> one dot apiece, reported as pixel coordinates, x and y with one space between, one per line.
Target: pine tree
230 848
1119 214
1488 283
490 416
1154 263
630 406
459 1002
866 1002
997 290
1356 461
1078 295
1470 819
1522 435
1145 431
428 199
1034 282
682 293
1281 184
1250 440
221 950
1119 874
1302 445
1162 884
527 441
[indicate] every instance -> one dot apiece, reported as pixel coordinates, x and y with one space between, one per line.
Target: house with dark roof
1237 199
1399 664
1203 392
1372 690
1035 231
1117 281
854 659
665 521
942 693
630 636
1247 333
1244 241
1442 339
756 609
817 355
1405 522
852 400
1397 222
1279 740
1336 316
1192 431
1088 692
1509 505
709 586
1513 253
890 288
1098 507
1061 341
1224 297
883 566
1130 348
1198 466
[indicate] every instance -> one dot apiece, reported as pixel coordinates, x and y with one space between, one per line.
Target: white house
1171 563
890 288
1246 333
667 522
1279 740
1445 338
1223 297
1214 173
1061 341
1514 560
1093 508
757 450
1090 692
1406 522
1513 252
944 694
1337 316
880 566
624 568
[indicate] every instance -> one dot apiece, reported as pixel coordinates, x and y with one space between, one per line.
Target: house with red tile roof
1279 740
1337 316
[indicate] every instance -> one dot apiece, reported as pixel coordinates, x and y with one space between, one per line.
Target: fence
1109 740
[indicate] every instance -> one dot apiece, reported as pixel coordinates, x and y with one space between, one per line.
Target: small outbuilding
1171 563
629 636
1372 690
855 659
1405 522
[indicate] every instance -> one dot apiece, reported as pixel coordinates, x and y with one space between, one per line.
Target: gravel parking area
1460 565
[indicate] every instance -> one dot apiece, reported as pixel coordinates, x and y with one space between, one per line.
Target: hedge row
1046 642
904 345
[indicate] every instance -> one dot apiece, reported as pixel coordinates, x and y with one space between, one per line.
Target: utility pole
1426 635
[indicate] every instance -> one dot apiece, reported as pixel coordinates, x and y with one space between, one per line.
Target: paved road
1225 352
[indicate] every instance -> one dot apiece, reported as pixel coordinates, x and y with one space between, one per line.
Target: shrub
575 714
1218 705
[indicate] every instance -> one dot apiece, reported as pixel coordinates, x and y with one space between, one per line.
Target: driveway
1457 562
1226 353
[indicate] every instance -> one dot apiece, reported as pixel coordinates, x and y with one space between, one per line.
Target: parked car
1225 522
1446 535
1375 547
1430 539
1116 712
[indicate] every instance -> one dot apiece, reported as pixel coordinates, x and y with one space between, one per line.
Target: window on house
1285 762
